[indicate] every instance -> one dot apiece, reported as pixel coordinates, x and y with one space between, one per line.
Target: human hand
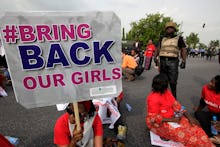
195 108
183 65
77 135
193 121
175 119
155 60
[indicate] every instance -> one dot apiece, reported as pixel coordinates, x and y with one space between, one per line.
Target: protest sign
156 140
59 57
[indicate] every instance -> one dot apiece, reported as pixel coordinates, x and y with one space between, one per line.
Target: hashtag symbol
10 34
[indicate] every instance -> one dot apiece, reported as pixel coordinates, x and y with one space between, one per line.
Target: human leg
129 73
204 118
147 62
150 63
172 74
187 134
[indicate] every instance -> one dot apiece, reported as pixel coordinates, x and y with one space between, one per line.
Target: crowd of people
164 116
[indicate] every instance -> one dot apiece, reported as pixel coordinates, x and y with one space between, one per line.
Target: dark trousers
169 66
205 118
148 61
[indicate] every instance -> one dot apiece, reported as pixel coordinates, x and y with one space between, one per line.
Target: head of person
150 41
124 52
170 28
214 84
86 110
160 83
134 52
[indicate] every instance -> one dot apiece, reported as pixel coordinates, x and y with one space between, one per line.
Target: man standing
128 66
169 48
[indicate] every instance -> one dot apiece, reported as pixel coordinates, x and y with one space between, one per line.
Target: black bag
139 69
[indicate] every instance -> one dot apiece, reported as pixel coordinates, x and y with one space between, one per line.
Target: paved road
34 127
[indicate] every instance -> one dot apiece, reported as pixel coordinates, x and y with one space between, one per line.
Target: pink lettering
68 32
30 83
77 79
47 81
43 31
56 32
84 31
58 79
116 73
27 33
95 75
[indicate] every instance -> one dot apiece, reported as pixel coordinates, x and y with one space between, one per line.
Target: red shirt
211 99
150 50
4 142
62 134
161 104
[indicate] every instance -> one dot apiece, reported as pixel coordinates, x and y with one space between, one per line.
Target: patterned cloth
163 106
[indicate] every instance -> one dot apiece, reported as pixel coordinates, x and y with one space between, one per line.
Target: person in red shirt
91 134
4 142
210 97
149 52
161 107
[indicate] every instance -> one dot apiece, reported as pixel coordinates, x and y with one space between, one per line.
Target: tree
214 45
123 33
202 46
192 40
151 27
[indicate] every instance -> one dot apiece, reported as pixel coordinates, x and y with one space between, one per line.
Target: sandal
215 140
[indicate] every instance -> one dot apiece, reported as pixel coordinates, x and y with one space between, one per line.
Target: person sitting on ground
128 66
210 97
4 142
161 107
135 55
91 134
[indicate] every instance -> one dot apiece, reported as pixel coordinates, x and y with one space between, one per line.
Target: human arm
156 112
183 52
191 119
77 136
202 105
98 132
98 141
183 56
124 61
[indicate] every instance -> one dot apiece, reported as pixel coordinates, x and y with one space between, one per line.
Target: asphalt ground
34 127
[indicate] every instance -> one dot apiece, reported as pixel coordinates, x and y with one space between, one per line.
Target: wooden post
76 113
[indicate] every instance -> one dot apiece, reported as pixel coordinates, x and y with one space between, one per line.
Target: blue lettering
99 53
57 56
74 52
31 57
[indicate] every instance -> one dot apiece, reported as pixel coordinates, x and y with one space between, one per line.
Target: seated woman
91 134
210 97
161 106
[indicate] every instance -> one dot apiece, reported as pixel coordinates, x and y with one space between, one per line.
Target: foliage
214 45
123 33
151 27
192 40
202 46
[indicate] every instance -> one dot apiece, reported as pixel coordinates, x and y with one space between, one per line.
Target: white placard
58 57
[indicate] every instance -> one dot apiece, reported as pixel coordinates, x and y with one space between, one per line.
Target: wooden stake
76 113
